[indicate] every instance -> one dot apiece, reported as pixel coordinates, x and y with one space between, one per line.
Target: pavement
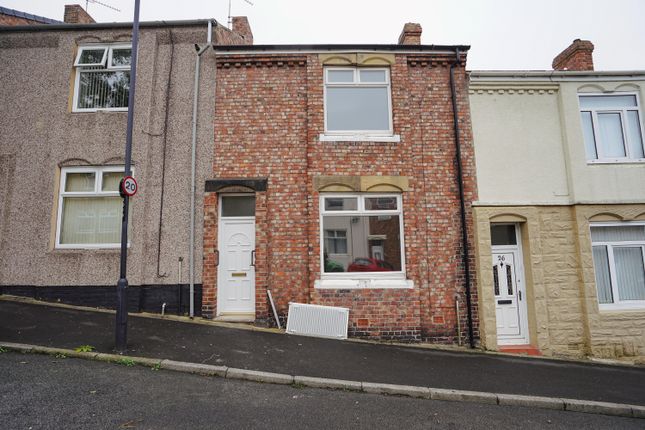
48 392
295 355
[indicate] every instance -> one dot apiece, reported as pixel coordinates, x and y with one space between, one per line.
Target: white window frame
358 134
623 120
97 192
360 210
107 67
618 304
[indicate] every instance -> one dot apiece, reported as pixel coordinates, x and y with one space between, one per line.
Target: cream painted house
560 219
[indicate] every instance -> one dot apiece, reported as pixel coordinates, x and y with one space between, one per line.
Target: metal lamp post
121 329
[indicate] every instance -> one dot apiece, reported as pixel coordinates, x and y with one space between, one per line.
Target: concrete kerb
573 405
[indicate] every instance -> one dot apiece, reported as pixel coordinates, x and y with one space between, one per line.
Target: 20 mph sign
129 186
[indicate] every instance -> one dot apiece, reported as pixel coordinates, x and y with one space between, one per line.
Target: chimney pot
578 56
411 34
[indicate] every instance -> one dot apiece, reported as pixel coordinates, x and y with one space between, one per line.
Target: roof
25 15
59 26
337 47
555 75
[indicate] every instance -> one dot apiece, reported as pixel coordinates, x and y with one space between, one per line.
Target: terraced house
560 215
336 181
63 113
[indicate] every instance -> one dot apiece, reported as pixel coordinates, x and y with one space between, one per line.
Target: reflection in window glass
380 203
80 182
503 234
373 244
238 205
341 203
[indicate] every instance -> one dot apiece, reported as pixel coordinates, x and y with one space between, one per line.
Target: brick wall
269 114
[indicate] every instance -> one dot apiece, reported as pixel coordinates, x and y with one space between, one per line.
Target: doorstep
520 350
236 317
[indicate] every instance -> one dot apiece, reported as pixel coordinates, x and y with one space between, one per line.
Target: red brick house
336 180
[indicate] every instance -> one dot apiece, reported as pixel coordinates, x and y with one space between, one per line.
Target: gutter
462 203
313 48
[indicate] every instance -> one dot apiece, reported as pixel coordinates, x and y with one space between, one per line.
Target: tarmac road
45 392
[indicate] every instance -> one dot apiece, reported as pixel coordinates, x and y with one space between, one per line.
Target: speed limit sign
129 186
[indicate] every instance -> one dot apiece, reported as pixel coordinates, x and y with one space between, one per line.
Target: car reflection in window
370 265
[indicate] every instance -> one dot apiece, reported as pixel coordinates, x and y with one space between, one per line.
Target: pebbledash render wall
268 121
532 170
39 134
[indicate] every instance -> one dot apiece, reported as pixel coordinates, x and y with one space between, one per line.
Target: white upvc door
236 270
510 296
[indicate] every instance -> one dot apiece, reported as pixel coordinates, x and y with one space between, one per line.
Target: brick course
269 115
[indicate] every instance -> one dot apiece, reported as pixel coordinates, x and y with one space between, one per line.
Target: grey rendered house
63 111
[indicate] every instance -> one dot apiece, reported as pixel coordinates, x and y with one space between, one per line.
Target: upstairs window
102 78
358 101
612 128
619 264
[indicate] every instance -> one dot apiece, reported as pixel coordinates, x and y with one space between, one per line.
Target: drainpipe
462 203
191 257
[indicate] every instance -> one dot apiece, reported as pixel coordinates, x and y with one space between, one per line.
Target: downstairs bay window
619 264
89 207
362 240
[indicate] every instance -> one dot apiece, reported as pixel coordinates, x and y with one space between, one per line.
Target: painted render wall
530 149
39 134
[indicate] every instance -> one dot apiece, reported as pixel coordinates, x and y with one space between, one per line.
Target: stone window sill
395 138
362 284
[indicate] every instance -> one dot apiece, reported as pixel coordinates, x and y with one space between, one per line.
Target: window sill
362 284
351 137
99 110
620 307
111 249
617 161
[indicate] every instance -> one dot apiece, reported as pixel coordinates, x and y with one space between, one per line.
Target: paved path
43 392
67 328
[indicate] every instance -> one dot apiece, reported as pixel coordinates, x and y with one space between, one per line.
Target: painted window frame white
107 66
97 192
600 158
360 210
617 305
354 135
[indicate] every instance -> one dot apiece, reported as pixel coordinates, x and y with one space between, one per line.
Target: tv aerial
230 18
87 3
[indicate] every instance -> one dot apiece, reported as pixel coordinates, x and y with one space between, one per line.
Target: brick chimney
75 14
578 56
411 34
242 27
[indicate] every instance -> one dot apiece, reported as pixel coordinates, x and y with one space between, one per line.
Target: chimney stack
577 57
75 14
411 34
242 27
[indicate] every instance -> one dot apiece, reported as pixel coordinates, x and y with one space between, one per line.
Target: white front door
236 270
510 293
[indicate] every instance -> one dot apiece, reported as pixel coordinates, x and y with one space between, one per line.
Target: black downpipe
462 203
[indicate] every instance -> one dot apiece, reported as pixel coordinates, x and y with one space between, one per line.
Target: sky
503 34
